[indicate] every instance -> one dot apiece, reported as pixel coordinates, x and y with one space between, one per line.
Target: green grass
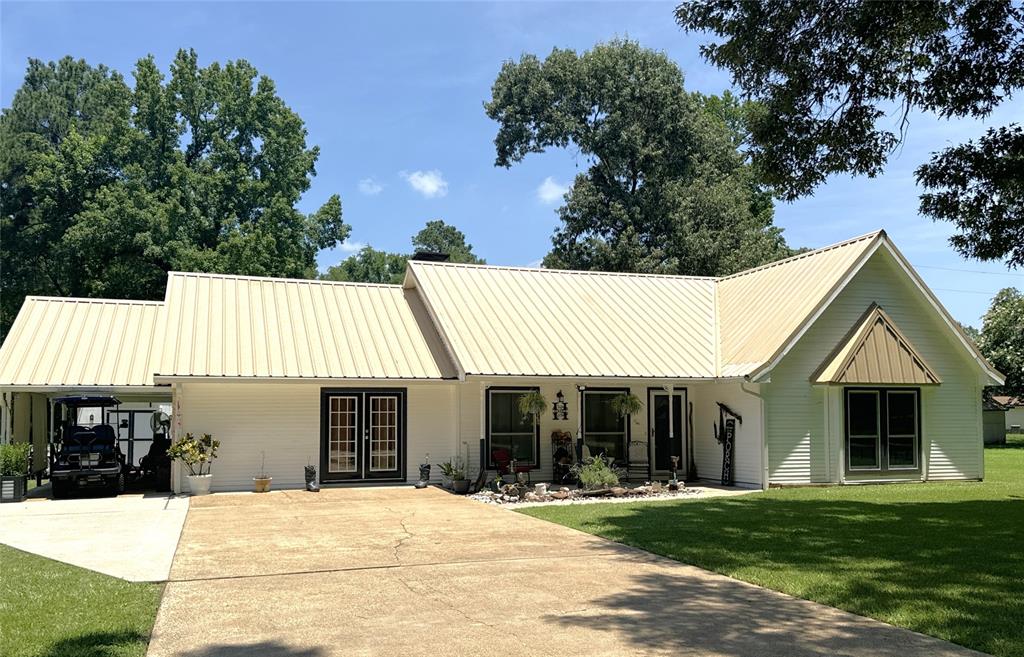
945 559
51 609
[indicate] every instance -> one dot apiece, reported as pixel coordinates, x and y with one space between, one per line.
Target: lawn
945 559
51 609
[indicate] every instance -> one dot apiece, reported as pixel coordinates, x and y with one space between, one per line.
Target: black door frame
363 473
685 439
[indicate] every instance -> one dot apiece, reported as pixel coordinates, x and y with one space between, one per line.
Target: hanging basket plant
532 404
626 404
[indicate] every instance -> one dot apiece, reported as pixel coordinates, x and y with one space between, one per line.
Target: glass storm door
663 445
362 435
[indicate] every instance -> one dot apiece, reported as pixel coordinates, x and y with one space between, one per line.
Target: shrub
14 459
596 472
195 452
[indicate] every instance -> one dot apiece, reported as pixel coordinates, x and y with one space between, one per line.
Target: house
834 366
1013 405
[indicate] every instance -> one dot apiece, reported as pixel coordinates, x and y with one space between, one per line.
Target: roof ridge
315 281
147 302
544 270
807 254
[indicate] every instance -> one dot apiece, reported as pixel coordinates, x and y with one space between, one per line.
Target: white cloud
550 191
431 184
370 187
352 247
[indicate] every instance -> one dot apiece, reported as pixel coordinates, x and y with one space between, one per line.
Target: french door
668 431
362 435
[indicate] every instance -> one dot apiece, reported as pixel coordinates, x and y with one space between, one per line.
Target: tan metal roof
876 352
761 309
62 342
239 326
539 322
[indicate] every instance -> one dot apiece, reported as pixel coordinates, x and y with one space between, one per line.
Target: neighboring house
843 366
993 421
1014 408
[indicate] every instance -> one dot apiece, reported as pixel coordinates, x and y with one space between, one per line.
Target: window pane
520 446
505 415
611 445
863 453
902 413
862 413
901 452
599 414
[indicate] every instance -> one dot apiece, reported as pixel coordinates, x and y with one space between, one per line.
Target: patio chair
501 459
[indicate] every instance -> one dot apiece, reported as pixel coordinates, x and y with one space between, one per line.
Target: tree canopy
108 186
1002 337
665 189
372 266
827 76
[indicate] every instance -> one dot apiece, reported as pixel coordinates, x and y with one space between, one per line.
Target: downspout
764 435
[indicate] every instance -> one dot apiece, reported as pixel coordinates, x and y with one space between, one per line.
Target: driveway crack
405 529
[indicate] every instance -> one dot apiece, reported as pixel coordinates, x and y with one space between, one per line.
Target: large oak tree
665 187
106 186
828 75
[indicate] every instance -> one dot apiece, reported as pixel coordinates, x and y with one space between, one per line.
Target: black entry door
362 435
664 446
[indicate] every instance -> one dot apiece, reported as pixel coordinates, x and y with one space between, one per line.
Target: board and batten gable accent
804 421
282 420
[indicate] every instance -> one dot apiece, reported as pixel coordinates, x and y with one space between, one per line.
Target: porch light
559 407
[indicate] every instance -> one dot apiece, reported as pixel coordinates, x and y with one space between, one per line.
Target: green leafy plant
454 469
14 459
626 404
196 453
596 472
532 404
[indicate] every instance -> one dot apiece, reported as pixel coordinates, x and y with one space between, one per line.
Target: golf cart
86 457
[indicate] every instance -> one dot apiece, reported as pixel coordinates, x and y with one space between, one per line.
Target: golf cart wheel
117 485
59 488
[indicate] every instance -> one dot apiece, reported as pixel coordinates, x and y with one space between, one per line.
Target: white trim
293 379
995 375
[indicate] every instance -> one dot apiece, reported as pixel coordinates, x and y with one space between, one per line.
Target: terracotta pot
261 484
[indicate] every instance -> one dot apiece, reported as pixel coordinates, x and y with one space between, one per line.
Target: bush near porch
944 559
52 609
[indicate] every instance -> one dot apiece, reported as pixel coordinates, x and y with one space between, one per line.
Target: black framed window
509 429
604 431
883 429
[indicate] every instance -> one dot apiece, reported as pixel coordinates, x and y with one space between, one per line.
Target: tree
1002 338
369 266
665 188
373 266
439 237
107 187
826 75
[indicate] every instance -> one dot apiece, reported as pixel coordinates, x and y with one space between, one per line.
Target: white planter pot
199 484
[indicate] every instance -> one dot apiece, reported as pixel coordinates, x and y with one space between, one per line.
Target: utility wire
969 271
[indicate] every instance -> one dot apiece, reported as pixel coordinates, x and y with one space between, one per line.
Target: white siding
805 442
747 464
283 421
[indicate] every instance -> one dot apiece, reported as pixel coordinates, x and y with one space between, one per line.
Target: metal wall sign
725 432
727 451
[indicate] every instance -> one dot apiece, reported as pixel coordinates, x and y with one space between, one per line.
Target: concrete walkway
131 536
394 571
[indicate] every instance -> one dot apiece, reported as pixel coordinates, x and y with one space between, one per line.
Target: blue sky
393 94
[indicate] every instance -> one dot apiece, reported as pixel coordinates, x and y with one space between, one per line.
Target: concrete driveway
395 571
131 536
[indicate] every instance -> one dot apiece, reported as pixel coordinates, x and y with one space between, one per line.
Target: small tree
195 453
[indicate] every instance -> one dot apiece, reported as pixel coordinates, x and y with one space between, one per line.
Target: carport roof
66 342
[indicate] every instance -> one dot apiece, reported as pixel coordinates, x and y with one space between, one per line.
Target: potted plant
261 482
197 454
14 471
532 404
447 474
625 404
460 484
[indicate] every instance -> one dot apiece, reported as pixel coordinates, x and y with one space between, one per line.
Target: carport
60 347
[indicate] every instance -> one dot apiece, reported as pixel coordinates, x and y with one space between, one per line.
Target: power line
944 289
969 271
